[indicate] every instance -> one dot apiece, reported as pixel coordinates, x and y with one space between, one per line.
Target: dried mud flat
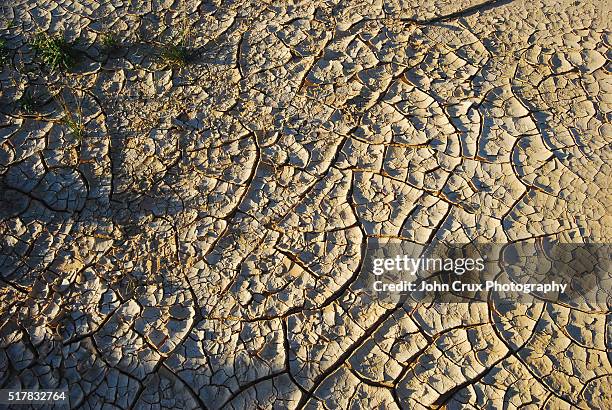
183 210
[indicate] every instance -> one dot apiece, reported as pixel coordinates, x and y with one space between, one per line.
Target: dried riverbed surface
187 190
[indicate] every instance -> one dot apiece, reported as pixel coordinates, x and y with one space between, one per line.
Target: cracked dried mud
187 190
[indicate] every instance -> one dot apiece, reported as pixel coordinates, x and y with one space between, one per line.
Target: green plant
27 103
4 52
177 52
54 51
72 116
75 125
175 55
110 41
9 23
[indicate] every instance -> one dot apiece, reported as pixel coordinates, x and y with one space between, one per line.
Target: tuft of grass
4 52
110 42
27 103
10 23
73 117
75 126
54 51
175 55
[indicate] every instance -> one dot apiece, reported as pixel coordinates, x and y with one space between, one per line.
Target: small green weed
75 126
54 51
27 102
175 55
4 52
110 42
73 116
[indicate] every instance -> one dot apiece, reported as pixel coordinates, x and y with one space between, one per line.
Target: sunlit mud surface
184 210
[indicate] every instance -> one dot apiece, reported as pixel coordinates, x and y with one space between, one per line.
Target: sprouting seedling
72 117
27 102
10 23
54 51
75 125
4 52
175 55
110 42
